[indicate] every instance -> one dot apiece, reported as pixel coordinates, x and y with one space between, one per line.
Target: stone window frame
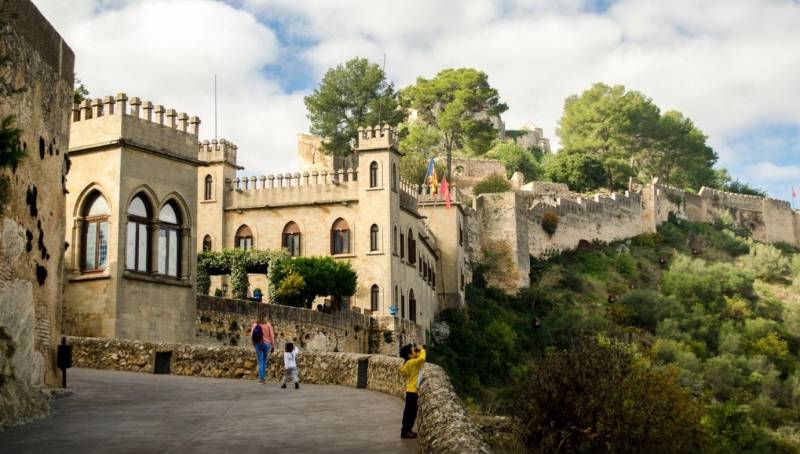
341 237
140 265
292 239
168 227
374 238
394 176
412 248
374 298
374 175
208 243
244 239
394 240
97 220
208 188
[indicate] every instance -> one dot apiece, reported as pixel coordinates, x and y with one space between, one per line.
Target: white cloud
168 52
728 66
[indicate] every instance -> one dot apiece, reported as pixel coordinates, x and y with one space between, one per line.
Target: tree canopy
516 159
459 105
350 95
627 132
299 280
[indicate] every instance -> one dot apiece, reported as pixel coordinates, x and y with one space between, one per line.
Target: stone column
122 104
135 103
108 105
160 114
155 227
147 107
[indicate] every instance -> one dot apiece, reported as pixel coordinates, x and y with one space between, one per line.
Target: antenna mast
215 107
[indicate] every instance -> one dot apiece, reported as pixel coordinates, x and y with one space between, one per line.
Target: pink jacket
269 335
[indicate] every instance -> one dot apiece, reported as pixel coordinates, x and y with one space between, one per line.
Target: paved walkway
127 412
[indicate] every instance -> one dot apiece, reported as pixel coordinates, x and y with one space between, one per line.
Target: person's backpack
257 335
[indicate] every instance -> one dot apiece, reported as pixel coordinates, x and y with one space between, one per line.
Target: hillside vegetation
685 340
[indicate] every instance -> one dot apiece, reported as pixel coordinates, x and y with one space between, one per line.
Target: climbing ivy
238 263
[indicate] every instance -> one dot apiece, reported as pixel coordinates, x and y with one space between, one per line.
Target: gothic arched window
291 238
373 175
207 244
208 188
374 298
94 256
138 235
244 238
340 237
373 237
169 241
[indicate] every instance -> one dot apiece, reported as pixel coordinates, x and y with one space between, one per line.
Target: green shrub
493 183
697 281
766 262
647 308
597 397
218 292
203 280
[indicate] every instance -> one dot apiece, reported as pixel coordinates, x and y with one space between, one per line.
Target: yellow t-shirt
410 371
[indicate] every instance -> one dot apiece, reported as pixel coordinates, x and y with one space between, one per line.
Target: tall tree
350 95
630 135
459 104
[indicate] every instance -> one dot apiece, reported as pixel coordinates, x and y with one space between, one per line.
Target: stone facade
36 78
402 259
136 278
444 426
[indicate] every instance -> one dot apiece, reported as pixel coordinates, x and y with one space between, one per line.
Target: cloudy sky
731 66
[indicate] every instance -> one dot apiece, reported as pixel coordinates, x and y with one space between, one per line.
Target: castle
145 195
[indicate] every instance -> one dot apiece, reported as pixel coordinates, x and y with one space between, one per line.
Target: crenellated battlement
221 150
139 124
308 188
376 137
144 110
743 200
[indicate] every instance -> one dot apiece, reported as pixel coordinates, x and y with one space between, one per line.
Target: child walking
290 365
411 370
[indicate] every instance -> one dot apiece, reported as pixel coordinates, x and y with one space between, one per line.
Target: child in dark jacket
414 357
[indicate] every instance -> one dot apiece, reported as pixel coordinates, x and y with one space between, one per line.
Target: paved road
126 412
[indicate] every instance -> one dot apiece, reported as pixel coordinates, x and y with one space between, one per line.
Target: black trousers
410 412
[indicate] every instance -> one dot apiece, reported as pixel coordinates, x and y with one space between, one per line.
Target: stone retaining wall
444 426
227 322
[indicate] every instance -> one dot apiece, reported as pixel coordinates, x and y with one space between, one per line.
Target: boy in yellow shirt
411 371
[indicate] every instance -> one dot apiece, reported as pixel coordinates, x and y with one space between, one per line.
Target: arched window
460 235
209 185
394 177
373 298
340 237
207 245
373 237
402 247
95 234
373 175
291 238
244 238
394 240
412 247
138 236
402 305
412 306
169 241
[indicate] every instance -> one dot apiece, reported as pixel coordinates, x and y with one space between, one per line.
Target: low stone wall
444 426
227 322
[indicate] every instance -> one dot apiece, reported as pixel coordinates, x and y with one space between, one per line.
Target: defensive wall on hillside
227 322
515 220
444 426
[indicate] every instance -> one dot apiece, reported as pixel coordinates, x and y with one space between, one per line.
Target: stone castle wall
513 221
36 83
227 322
444 426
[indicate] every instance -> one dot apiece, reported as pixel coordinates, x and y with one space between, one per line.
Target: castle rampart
314 188
615 217
145 125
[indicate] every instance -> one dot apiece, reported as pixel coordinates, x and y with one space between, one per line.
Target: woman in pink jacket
263 338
